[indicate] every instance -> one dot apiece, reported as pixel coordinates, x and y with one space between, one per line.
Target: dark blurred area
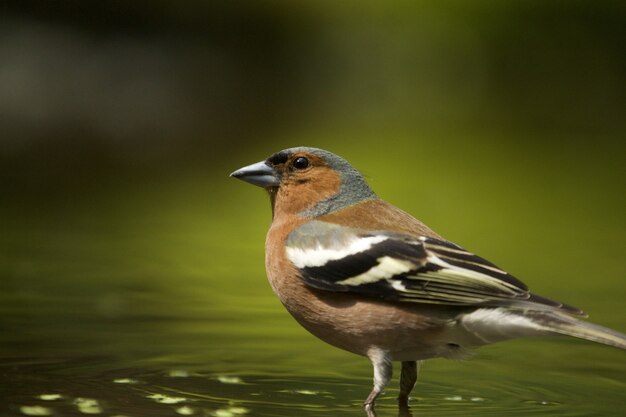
90 90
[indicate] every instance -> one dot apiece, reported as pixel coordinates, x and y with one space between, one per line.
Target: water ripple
84 388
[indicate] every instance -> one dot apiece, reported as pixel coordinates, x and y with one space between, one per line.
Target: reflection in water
403 411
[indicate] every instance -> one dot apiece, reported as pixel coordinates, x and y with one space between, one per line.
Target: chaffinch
364 276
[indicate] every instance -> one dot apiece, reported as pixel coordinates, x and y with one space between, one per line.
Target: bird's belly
356 325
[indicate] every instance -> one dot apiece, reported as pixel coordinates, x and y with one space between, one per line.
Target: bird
369 278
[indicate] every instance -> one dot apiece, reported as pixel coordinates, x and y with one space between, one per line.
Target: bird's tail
562 324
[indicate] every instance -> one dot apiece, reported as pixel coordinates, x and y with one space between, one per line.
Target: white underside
481 327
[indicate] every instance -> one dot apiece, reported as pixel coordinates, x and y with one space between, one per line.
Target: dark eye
300 162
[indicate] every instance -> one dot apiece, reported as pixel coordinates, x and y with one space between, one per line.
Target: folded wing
403 268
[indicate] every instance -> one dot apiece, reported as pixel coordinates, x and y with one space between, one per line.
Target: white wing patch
319 256
387 267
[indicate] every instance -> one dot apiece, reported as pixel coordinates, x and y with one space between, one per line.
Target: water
149 299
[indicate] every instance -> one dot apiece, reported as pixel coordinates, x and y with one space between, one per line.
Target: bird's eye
300 162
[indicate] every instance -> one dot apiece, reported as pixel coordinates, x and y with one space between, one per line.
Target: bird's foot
370 411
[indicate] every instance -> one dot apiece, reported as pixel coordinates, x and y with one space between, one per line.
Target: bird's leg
383 369
408 376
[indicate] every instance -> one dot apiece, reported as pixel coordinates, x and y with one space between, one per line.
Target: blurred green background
126 249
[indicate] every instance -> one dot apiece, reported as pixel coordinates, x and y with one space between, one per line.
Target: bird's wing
403 268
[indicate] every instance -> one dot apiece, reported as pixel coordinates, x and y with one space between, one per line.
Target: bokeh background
127 252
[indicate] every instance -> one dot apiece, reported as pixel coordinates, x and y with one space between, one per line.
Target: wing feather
403 268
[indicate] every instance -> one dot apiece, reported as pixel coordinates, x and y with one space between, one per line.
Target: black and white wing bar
398 267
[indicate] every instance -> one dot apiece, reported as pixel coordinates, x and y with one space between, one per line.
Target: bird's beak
260 174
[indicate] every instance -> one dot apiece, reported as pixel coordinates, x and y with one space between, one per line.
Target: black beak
260 174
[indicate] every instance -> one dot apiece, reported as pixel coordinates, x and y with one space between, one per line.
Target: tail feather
561 324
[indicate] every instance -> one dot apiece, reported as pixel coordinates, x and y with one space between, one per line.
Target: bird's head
308 182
